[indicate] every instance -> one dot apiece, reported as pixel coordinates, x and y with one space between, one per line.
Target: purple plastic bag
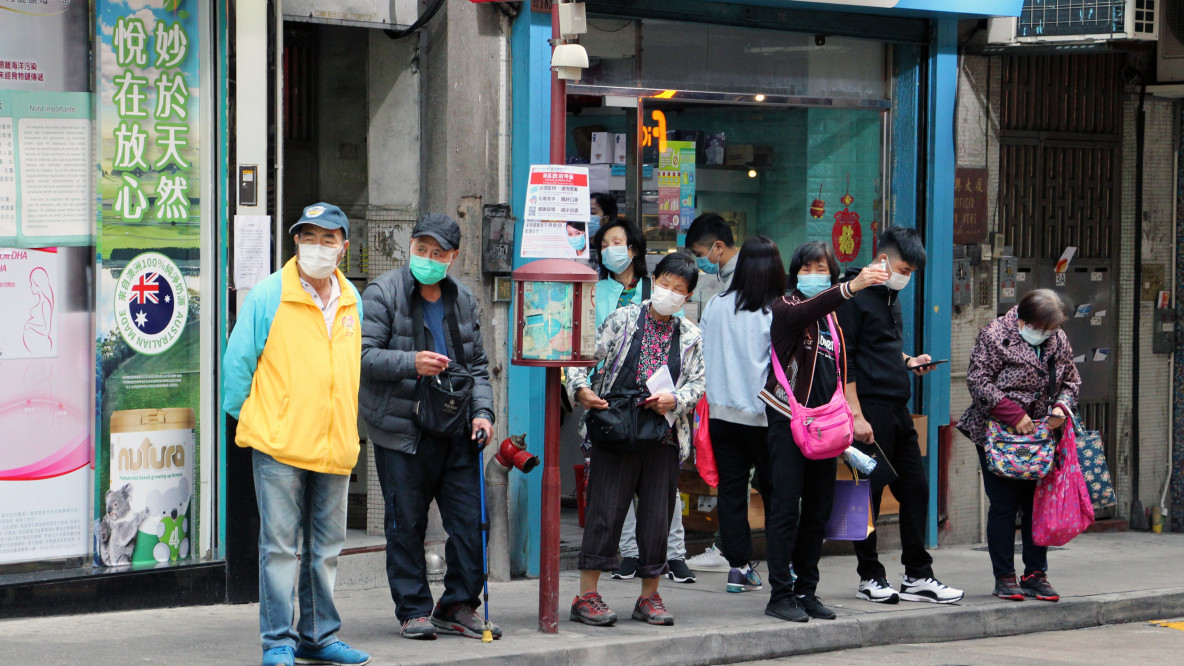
851 513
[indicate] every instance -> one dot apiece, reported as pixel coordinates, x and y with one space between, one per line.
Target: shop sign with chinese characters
970 206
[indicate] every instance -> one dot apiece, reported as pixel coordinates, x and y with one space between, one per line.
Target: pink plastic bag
704 454
1062 508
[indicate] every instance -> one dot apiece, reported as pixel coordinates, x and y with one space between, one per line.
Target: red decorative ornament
847 234
818 207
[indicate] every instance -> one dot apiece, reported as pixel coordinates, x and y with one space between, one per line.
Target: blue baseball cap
325 216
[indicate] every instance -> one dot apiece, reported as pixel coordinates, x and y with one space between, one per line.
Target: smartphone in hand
929 364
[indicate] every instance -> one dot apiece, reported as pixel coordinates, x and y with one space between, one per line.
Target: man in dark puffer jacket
420 325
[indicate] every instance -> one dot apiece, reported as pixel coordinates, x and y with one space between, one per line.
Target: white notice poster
55 173
252 249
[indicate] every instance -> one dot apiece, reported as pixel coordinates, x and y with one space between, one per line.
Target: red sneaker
651 610
591 609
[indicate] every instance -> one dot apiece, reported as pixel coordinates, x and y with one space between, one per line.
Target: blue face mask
615 258
577 243
706 265
812 285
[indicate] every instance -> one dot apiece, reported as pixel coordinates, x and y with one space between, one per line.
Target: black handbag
443 402
626 426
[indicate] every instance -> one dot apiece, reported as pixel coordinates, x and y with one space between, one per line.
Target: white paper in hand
661 382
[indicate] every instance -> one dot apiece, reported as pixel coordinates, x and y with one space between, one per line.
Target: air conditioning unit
1170 62
1069 22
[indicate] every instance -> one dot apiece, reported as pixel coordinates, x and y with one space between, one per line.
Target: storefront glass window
700 56
104 462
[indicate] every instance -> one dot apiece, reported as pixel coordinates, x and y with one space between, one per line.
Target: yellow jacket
292 387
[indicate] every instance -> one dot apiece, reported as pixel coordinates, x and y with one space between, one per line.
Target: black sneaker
787 609
462 620
1007 587
627 570
679 571
1036 585
814 608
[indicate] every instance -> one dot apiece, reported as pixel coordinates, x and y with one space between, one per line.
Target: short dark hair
633 236
760 275
607 203
679 264
1042 308
808 253
904 243
708 228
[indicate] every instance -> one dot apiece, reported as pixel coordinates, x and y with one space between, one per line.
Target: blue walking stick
487 634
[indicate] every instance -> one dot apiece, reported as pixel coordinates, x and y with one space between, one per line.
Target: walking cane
487 634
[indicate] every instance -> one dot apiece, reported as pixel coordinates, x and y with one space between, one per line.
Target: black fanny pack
443 402
626 426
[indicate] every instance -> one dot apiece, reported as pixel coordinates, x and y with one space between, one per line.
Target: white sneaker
877 590
928 589
709 560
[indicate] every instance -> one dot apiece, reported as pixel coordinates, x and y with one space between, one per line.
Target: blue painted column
530 77
939 243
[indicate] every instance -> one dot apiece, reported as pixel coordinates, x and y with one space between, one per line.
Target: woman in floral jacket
1010 382
650 474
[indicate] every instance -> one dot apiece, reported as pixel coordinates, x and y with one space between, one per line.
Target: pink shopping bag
1062 508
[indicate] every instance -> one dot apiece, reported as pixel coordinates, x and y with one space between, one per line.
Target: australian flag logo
151 303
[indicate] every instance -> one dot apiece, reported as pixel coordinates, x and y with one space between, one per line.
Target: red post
549 532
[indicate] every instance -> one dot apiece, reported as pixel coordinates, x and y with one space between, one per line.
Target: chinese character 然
166 137
130 40
129 150
172 44
129 96
172 199
130 203
171 96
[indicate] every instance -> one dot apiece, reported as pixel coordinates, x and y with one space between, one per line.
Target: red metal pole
549 532
549 535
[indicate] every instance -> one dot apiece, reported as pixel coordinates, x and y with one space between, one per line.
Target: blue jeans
291 501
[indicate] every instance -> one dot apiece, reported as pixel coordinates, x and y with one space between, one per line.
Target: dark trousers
652 476
795 535
445 471
893 427
1009 497
738 448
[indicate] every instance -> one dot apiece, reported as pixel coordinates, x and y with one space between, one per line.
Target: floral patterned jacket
1003 365
612 341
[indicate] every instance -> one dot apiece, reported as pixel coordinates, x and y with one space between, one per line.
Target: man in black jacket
420 332
879 395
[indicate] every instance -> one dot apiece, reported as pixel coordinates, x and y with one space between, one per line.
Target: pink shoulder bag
827 430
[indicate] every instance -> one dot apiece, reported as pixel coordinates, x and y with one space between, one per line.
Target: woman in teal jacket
622 267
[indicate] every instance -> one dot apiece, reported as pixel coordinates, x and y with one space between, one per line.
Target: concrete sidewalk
1103 579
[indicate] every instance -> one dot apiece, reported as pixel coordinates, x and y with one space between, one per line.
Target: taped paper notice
1101 353
1079 359
1066 257
1084 310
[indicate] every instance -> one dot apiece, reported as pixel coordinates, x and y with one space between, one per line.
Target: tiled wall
1158 236
977 127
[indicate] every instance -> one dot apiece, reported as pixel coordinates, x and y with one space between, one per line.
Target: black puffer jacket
387 397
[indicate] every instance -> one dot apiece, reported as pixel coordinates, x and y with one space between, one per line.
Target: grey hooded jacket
387 397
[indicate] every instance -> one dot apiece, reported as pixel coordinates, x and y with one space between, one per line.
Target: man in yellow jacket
290 377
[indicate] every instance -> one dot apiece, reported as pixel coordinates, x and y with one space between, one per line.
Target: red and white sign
555 216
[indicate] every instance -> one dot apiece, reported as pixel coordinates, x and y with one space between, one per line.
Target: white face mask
1034 336
317 261
897 281
666 302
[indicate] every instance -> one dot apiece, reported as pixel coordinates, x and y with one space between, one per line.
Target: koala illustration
117 531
